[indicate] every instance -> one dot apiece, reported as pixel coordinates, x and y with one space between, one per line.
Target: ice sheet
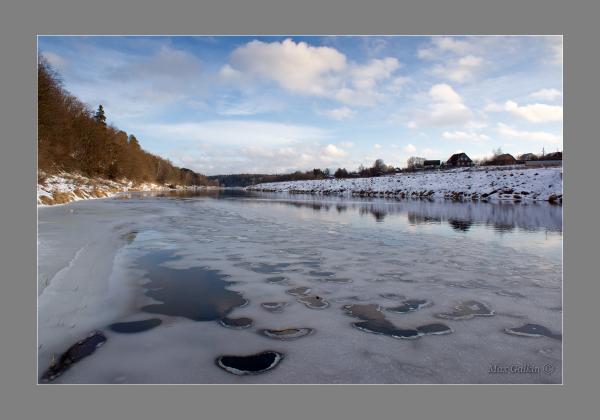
413 253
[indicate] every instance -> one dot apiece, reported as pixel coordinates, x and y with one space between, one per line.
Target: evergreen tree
100 117
134 142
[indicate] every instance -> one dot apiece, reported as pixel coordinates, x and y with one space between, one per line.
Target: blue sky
276 104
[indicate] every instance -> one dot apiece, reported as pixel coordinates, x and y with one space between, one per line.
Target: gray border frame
19 395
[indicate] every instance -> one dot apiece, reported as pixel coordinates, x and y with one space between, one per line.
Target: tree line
378 168
73 138
244 180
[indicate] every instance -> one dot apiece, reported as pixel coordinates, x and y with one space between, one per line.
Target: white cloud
236 132
534 136
366 76
442 44
339 114
456 57
250 106
267 153
229 73
429 152
236 146
547 94
331 151
377 146
446 43
59 63
135 85
297 67
397 84
357 97
494 107
555 44
469 136
446 109
410 148
444 93
462 70
318 71
535 113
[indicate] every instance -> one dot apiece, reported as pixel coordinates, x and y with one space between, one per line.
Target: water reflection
196 293
460 216
460 225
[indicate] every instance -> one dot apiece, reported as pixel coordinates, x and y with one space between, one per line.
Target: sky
276 104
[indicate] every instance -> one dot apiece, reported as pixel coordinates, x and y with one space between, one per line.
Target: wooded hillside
73 138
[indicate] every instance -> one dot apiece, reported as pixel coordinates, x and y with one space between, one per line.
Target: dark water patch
316 273
471 284
533 330
237 323
509 293
74 354
399 277
196 293
303 252
313 302
385 327
276 279
253 364
299 291
434 329
373 320
365 312
275 307
311 264
409 305
264 268
135 326
286 333
337 280
343 299
392 296
466 310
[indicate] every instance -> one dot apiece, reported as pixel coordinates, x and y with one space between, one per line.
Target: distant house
459 159
431 164
503 159
553 156
527 157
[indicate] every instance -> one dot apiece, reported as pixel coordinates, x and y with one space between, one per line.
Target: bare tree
415 162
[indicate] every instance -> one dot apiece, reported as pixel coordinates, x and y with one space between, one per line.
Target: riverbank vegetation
74 139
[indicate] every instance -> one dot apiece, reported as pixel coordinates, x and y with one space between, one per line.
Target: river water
346 290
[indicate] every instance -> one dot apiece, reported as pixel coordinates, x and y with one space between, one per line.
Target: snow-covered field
99 260
478 183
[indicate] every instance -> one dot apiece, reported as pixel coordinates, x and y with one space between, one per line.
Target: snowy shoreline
481 183
65 188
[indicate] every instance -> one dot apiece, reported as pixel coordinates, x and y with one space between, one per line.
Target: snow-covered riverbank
65 188
485 183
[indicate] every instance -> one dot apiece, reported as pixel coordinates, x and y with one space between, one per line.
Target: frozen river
340 290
